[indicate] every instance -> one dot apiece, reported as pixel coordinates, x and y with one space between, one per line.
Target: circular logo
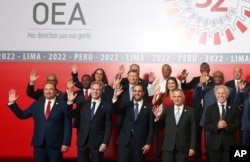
210 21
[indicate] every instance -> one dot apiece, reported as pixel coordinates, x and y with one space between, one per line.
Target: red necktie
86 94
47 112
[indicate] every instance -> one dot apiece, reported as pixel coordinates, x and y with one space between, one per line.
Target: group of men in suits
135 126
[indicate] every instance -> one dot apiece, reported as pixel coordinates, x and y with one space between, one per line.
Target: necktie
136 110
92 110
130 93
177 115
223 114
86 94
47 112
237 86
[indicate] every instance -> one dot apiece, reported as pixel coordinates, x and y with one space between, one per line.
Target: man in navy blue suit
136 131
95 126
52 126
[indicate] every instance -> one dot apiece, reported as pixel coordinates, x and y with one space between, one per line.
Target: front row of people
53 128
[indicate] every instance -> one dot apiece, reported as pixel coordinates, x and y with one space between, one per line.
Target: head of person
138 92
86 81
49 91
178 97
100 75
135 67
221 93
218 77
204 67
166 71
96 89
51 78
171 84
133 77
237 72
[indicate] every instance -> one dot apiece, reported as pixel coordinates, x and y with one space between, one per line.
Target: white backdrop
136 28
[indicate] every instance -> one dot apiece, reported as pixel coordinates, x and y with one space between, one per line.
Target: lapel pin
229 107
56 103
185 110
144 107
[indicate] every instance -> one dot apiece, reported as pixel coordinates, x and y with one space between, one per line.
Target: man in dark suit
52 127
36 94
222 121
95 124
197 104
136 133
234 84
180 135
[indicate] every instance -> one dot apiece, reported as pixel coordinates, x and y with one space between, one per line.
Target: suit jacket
107 93
218 137
56 130
182 136
196 103
209 98
242 99
141 129
99 128
36 94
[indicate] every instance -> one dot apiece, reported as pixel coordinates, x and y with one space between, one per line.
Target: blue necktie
92 110
136 110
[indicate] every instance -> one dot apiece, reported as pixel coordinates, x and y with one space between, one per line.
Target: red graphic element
241 26
215 8
203 38
190 33
229 35
247 13
217 38
173 12
181 23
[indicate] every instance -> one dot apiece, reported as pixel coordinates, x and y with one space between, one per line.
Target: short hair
223 87
133 71
96 83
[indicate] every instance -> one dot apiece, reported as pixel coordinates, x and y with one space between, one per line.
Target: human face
166 71
99 75
204 68
178 98
51 79
49 91
96 91
138 92
135 67
171 85
218 78
132 78
86 80
221 95
237 73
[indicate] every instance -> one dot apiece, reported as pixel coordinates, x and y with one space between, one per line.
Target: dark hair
104 79
166 87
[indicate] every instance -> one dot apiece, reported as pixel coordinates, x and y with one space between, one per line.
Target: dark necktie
136 110
86 94
47 112
223 114
92 110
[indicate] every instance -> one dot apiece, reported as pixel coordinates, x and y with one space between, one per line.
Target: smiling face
96 90
221 94
49 91
138 92
171 84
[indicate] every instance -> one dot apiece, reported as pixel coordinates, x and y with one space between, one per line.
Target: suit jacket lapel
142 111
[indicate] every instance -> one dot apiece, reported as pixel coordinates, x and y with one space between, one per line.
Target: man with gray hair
221 121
